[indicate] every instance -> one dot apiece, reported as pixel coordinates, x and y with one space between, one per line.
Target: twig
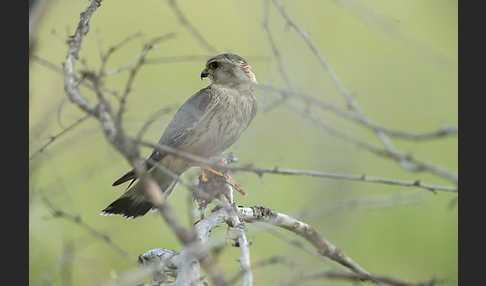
162 111
36 11
56 136
243 244
185 22
177 59
276 54
441 132
75 41
133 72
404 162
140 58
113 49
264 262
312 101
55 68
64 264
324 247
420 164
261 171
79 221
191 58
333 275
382 202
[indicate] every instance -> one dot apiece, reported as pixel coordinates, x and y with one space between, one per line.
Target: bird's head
228 69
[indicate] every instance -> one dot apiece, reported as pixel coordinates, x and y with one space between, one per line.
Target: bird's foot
229 180
205 176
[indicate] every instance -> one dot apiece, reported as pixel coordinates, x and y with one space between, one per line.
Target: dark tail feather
128 176
133 202
127 207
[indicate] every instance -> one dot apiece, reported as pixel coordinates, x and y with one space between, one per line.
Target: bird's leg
225 175
204 177
217 173
202 204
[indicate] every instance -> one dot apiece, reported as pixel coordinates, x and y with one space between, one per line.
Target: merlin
206 125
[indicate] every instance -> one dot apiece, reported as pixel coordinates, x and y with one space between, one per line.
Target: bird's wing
181 125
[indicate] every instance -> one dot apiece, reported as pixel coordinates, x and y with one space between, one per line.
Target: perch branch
261 171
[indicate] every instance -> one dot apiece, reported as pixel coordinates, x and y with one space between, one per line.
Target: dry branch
195 32
79 221
184 265
406 163
275 170
56 136
333 275
324 247
265 215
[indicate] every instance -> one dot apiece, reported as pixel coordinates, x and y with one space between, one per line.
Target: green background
399 58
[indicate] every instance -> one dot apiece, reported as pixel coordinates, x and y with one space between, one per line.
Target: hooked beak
204 73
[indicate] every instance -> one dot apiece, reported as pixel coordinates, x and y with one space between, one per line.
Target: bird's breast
224 122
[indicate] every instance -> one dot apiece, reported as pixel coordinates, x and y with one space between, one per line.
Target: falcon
206 125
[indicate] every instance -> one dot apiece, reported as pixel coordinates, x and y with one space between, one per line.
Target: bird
207 124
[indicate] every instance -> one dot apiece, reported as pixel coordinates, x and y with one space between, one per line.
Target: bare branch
312 101
177 59
264 262
190 58
105 57
185 22
59 70
420 165
352 204
75 42
261 171
133 72
140 58
37 9
162 111
56 136
324 247
333 275
79 221
184 266
406 164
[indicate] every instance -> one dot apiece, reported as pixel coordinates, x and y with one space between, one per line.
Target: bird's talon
204 177
215 172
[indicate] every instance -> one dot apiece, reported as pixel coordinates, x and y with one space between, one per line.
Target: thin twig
261 171
420 164
404 162
133 72
264 262
105 56
177 59
334 275
186 23
162 111
56 136
79 221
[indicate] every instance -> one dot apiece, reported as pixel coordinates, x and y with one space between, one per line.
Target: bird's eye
214 65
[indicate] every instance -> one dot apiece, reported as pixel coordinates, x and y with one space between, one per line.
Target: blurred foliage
399 58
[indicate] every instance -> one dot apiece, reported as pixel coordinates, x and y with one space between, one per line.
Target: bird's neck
241 86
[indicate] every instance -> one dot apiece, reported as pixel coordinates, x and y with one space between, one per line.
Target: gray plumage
207 124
